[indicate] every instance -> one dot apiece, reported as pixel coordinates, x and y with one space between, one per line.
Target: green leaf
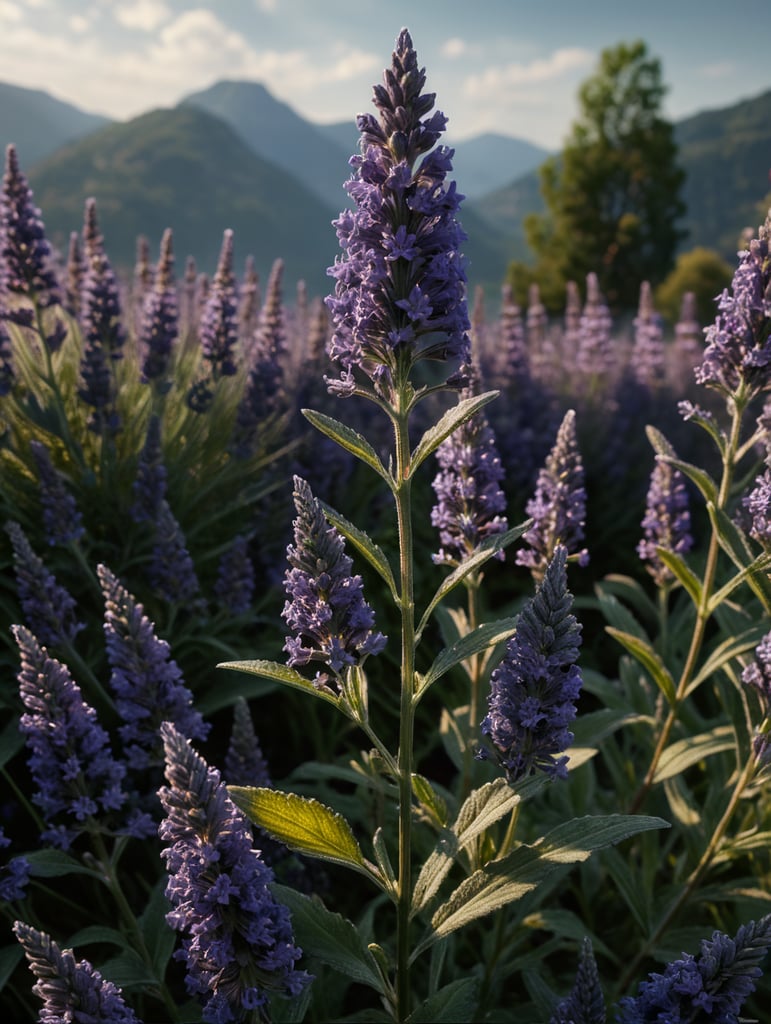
449 422
349 439
302 823
215 698
749 574
619 617
727 651
642 651
659 442
97 933
431 802
682 573
160 939
128 971
329 937
486 550
364 545
283 674
699 476
734 543
686 752
478 640
628 884
10 956
504 881
11 742
55 863
452 1004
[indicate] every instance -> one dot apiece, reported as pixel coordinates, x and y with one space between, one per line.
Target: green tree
613 195
701 271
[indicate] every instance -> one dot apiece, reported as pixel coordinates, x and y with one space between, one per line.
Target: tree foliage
613 194
701 271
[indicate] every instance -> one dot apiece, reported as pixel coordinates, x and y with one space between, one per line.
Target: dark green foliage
700 271
613 197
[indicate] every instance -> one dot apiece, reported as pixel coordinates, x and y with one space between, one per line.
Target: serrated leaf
504 881
330 937
364 545
54 864
686 752
449 422
302 824
484 636
682 573
727 651
452 1004
649 659
486 550
349 439
434 805
282 674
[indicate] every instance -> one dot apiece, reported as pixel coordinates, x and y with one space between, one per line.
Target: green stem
475 673
112 882
702 612
406 723
695 876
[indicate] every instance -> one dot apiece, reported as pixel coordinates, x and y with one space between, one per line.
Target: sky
507 66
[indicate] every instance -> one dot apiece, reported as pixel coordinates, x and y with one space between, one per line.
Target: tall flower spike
667 521
470 503
219 322
515 368
147 683
70 990
558 507
738 351
160 318
757 675
235 584
239 948
249 308
25 253
400 285
648 358
49 609
149 487
711 987
595 353
532 691
76 270
245 763
585 1004
7 372
61 519
171 570
332 622
14 875
70 757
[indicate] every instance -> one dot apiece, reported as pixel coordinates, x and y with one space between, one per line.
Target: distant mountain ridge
38 124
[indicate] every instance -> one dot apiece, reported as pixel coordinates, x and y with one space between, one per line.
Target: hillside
38 124
185 169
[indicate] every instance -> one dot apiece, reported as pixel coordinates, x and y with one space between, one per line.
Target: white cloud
454 47
78 23
266 6
145 15
722 69
543 69
10 12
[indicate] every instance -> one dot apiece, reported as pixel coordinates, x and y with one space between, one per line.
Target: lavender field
396 654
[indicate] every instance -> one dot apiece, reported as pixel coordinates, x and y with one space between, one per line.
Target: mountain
487 162
38 124
188 170
726 154
275 132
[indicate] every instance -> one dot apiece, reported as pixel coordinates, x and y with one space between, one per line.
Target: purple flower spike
532 692
149 487
235 584
14 875
585 1004
245 764
49 610
711 987
61 519
470 503
25 253
147 682
70 757
70 990
172 573
219 322
160 318
239 948
738 352
76 270
648 358
558 506
667 521
7 372
332 622
594 356
400 291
